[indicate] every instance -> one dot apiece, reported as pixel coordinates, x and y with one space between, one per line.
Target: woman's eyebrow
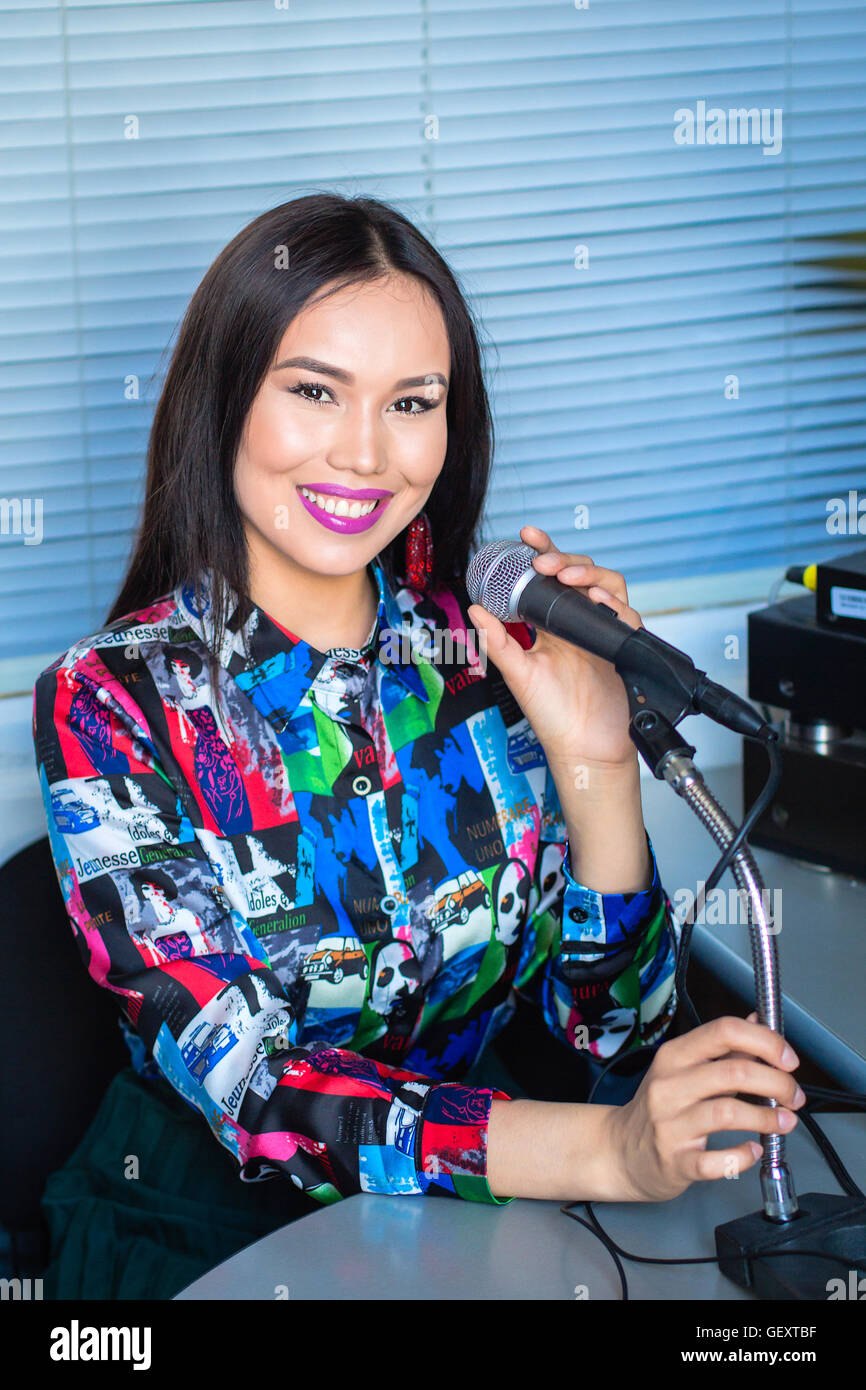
310 364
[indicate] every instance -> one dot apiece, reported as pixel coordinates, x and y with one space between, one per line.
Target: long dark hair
227 341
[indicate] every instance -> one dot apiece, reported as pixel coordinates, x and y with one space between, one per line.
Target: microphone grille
493 573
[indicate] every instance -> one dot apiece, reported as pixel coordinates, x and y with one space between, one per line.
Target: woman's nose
359 444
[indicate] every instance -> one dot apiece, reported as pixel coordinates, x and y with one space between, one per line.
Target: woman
385 844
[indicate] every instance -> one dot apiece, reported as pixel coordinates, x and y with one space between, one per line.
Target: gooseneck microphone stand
831 1225
668 756
777 1185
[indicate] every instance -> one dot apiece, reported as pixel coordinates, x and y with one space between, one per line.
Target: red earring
419 553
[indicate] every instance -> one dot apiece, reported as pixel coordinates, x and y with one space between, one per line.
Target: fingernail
790 1058
786 1119
799 1096
756 1149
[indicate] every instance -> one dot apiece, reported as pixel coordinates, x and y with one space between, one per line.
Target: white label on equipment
847 603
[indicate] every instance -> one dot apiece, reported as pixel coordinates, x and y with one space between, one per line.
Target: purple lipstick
349 500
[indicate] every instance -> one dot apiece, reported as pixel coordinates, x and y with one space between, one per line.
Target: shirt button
578 914
361 786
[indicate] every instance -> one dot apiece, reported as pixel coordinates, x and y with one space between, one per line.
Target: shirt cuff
607 920
451 1142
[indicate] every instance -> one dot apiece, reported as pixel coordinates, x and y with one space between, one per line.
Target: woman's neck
323 610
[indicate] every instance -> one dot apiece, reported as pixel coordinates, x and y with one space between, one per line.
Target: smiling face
352 408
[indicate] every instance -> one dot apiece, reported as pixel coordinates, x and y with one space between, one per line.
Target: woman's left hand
575 702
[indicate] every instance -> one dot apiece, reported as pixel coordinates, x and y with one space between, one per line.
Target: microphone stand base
832 1224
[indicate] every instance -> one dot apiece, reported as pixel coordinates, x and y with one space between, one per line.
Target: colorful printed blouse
316 895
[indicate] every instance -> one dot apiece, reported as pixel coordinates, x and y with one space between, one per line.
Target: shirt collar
284 670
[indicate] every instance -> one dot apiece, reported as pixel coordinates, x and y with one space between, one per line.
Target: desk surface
377 1247
821 944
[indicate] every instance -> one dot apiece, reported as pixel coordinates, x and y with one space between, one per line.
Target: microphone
501 578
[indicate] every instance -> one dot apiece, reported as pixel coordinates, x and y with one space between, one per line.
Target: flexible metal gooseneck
777 1184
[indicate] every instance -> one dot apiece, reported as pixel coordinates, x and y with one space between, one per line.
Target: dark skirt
149 1236
183 1209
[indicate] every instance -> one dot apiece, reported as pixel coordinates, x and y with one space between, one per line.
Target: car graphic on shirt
457 898
335 957
401 1128
523 749
71 813
205 1046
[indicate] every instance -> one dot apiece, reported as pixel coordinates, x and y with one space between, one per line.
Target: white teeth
339 506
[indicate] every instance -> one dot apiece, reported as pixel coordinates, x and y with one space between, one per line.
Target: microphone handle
547 603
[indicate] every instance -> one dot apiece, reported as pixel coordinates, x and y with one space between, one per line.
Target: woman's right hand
688 1093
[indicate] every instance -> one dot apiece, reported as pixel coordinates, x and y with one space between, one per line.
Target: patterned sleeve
604 963
154 925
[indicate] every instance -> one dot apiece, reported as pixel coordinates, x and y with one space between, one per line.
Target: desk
821 945
384 1248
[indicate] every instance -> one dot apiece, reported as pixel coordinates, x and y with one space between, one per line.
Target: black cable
834 1162
824 1093
615 1250
606 1242
756 810
814 1094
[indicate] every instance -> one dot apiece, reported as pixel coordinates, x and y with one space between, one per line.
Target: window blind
674 321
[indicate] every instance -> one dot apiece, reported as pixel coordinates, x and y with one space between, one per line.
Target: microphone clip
656 738
659 692
661 680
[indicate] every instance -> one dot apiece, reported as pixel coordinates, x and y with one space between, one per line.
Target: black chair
60 1041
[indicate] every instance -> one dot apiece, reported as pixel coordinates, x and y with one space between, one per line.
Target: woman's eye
306 390
413 401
